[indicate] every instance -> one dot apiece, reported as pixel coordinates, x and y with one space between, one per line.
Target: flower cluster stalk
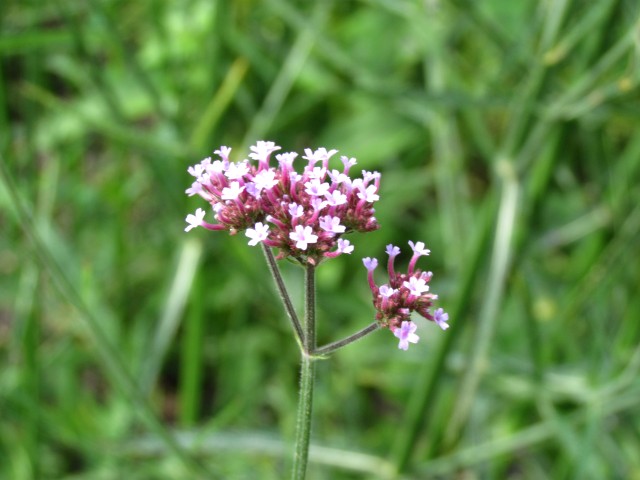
284 295
306 335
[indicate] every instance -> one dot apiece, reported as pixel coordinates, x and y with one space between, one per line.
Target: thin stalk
333 346
307 373
309 334
303 421
284 295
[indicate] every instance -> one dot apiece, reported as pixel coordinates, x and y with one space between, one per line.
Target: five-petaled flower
257 234
303 236
194 220
406 332
441 318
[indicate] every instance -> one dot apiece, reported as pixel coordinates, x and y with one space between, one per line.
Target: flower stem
303 421
333 346
309 334
284 295
307 374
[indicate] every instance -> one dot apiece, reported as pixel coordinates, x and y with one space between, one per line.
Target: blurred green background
507 134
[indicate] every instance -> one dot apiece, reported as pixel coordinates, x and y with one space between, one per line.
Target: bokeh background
507 134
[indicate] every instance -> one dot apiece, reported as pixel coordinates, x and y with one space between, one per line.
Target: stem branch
333 346
284 295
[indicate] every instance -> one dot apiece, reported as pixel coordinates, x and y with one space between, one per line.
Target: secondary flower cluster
405 293
303 214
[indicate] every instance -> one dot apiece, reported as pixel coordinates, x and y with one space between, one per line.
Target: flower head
307 212
403 294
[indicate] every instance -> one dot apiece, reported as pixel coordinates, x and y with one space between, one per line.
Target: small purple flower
257 234
369 194
262 150
317 173
223 153
237 170
196 170
312 156
344 246
232 191
348 162
441 318
320 155
295 210
338 177
392 250
370 263
196 188
418 251
286 159
252 189
368 176
303 236
318 204
336 198
418 248
316 188
217 167
194 220
407 334
331 224
386 291
416 286
265 179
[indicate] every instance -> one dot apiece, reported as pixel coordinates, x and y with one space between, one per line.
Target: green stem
307 372
309 334
333 346
303 421
284 295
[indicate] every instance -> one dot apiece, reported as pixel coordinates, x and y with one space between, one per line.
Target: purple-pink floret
404 293
308 212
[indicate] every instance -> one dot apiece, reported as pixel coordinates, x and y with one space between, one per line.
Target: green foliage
507 137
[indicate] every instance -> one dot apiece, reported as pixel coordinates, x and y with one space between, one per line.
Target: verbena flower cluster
403 294
303 214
